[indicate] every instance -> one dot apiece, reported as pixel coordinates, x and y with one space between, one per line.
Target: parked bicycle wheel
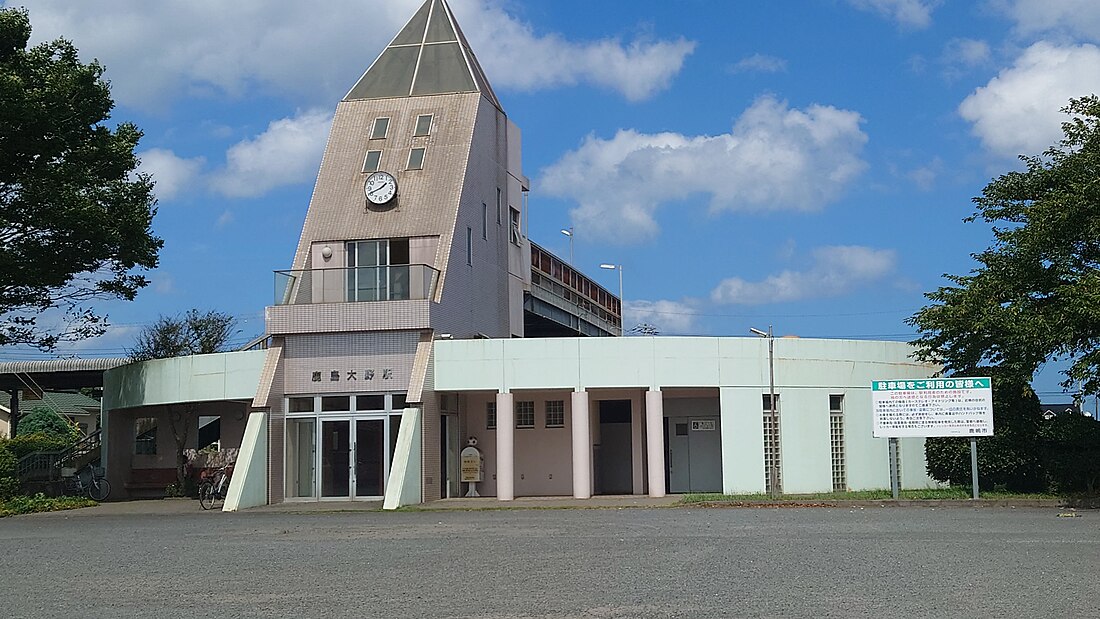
98 489
207 495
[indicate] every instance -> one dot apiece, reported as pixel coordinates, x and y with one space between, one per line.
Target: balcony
410 282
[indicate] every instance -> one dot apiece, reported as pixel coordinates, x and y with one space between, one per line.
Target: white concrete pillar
506 441
655 441
582 447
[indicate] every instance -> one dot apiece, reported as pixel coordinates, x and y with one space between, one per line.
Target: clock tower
414 232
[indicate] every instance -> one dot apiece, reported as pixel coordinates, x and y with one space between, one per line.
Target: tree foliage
45 421
75 218
1013 458
1035 294
1072 446
193 333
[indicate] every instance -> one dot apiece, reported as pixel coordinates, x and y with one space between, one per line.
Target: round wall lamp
326 252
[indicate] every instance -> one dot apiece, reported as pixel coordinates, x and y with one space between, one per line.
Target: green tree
1035 294
75 218
1013 458
45 421
1072 444
193 333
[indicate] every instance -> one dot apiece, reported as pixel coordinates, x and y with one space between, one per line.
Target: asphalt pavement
170 559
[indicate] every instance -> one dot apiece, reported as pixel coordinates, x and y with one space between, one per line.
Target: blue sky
803 163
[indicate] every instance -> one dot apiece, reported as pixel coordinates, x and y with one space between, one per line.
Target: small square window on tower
423 125
381 128
372 161
416 159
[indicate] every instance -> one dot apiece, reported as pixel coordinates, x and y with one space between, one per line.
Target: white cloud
836 270
157 52
759 63
515 56
669 317
173 174
775 158
163 283
961 55
1077 18
225 219
924 177
907 13
1017 112
288 152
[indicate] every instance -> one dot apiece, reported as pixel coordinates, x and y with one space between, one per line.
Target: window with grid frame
525 414
836 442
555 413
490 415
772 456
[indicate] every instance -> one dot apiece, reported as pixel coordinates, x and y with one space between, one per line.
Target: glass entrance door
370 457
335 458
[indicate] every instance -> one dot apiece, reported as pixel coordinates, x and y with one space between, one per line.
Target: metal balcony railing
406 282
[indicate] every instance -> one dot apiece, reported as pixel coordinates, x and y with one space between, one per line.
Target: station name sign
932 407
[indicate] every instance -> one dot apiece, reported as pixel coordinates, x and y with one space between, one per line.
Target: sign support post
974 465
894 477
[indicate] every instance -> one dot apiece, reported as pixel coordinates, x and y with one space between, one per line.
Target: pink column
506 440
655 441
582 447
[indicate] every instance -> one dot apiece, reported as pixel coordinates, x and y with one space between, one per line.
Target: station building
418 314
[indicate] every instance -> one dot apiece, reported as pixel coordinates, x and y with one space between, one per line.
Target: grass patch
931 494
42 503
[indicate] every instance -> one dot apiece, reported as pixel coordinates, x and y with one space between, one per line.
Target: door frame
351 419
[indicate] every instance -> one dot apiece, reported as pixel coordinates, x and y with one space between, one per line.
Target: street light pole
622 304
773 481
569 233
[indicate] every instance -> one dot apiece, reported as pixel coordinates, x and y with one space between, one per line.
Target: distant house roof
62 402
1051 410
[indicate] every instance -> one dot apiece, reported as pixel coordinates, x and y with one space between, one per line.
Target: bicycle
97 488
213 489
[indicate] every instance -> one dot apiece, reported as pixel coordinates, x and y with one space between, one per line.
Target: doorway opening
615 454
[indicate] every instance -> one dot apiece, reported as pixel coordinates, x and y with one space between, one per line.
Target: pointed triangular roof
430 56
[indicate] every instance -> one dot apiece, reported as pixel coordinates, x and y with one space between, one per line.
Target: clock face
380 187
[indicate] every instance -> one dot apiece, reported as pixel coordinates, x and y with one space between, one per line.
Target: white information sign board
932 407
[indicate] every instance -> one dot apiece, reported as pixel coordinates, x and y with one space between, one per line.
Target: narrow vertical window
469 246
514 217
490 415
381 128
836 442
423 125
484 221
372 161
416 159
500 215
772 456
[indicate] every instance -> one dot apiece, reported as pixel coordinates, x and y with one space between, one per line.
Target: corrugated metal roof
60 365
63 402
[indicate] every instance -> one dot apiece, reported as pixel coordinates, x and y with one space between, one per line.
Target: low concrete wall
248 487
403 486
